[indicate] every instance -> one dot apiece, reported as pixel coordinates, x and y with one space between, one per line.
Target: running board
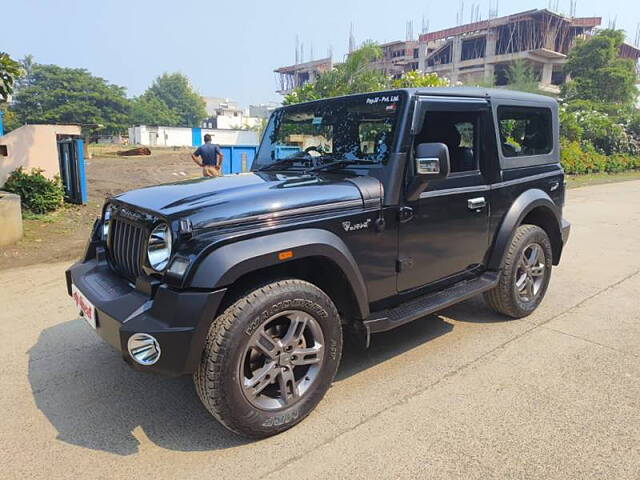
426 305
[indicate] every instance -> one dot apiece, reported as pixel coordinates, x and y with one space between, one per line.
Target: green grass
576 181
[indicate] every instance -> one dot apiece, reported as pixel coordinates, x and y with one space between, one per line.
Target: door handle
476 203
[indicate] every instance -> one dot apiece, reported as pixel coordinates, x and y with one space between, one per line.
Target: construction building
477 52
297 75
482 51
398 57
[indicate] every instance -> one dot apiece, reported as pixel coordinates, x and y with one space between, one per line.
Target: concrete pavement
461 394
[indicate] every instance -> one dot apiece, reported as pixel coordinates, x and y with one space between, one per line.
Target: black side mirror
431 163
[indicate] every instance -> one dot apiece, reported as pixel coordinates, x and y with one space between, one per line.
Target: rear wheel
525 275
270 358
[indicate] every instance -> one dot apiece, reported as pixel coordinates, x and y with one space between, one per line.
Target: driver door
445 232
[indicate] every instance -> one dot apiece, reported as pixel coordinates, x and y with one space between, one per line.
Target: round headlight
105 222
159 247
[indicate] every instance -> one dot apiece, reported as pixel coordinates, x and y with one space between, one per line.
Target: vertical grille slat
127 245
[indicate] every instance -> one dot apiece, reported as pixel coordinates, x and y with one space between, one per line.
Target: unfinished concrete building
397 58
294 76
482 51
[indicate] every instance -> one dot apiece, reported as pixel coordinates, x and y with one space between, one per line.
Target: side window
459 132
525 131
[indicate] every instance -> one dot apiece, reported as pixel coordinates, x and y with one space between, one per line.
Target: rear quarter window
525 131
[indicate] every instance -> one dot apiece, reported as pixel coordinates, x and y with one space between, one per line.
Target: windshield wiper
285 162
341 163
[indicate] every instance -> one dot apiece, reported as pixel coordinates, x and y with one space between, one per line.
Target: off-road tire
504 297
217 380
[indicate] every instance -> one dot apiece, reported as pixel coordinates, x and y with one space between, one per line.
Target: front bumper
179 320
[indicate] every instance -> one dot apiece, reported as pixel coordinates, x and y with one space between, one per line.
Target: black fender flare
223 266
525 203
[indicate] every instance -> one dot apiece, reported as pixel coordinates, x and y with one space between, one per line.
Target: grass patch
576 181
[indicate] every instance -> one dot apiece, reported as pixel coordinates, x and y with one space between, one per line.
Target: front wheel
270 358
525 275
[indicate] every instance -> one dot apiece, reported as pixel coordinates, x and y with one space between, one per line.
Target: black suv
360 213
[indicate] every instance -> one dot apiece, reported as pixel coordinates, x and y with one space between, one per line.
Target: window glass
459 132
525 131
359 128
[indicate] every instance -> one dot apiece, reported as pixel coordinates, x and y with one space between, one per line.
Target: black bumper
179 320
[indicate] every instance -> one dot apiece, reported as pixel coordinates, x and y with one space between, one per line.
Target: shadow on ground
94 400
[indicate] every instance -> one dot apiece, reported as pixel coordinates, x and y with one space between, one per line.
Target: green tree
175 91
521 77
355 75
598 73
416 79
359 75
150 110
9 71
72 95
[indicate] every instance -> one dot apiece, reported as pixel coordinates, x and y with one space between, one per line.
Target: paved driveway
461 394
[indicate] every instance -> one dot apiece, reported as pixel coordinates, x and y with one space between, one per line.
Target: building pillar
547 72
489 55
456 57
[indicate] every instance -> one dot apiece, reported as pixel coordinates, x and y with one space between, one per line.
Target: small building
223 113
157 136
34 146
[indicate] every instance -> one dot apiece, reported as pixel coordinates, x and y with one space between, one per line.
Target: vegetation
169 101
356 75
9 71
37 193
55 94
598 74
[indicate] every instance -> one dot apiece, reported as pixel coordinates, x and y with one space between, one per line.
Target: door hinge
403 264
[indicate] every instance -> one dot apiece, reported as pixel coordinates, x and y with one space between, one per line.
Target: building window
3 151
525 131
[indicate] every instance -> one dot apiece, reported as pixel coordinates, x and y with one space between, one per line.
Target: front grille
126 247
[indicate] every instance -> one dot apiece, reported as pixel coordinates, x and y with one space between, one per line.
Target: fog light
144 348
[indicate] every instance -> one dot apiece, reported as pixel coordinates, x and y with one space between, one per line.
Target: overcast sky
229 49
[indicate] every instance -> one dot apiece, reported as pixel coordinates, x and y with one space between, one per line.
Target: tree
9 71
359 75
417 79
187 107
149 110
72 95
598 73
521 77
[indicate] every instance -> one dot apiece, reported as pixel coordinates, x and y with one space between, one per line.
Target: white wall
183 137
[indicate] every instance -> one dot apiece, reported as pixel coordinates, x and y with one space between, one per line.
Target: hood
211 201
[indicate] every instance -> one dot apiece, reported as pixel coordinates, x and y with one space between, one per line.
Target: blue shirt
208 153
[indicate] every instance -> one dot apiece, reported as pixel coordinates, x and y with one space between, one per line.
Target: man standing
211 158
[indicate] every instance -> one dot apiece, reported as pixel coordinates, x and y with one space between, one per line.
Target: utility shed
34 146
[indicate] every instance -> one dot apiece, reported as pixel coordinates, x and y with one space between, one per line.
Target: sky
230 49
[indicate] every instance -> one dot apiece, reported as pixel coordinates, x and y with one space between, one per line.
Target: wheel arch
533 207
317 256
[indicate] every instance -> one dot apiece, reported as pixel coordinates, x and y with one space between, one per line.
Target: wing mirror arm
431 163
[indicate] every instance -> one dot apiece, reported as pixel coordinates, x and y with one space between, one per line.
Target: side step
422 306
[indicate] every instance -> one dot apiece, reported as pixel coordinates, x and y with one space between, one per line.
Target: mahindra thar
359 214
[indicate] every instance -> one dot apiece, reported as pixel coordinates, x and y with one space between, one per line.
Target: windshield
358 129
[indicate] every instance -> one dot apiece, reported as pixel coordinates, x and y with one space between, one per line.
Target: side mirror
431 163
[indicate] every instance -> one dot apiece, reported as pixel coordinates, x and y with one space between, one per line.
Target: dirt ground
63 234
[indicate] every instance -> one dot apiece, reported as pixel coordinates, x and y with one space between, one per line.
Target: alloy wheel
282 360
530 272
